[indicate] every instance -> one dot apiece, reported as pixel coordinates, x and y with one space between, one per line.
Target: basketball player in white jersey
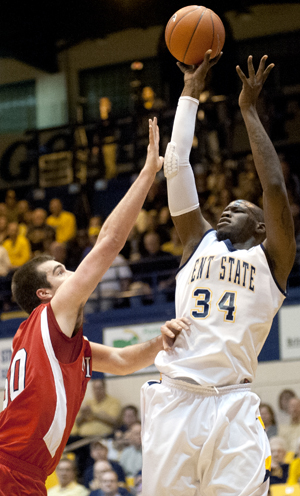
51 361
202 431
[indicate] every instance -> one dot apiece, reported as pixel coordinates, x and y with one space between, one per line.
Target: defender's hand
153 160
171 329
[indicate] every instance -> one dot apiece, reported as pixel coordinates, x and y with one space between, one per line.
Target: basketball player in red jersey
51 361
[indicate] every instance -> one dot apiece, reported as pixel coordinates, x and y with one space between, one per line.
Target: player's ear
261 230
44 294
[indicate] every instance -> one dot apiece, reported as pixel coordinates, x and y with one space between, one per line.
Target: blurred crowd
152 251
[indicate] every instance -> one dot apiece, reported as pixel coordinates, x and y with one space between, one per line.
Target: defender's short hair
27 280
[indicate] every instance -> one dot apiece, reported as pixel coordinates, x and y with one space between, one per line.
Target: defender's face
236 222
56 273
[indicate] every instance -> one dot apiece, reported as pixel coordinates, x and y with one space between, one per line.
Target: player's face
236 222
56 273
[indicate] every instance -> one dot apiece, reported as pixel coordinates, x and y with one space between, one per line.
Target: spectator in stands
5 279
294 469
5 265
59 252
75 249
100 471
157 196
3 209
99 468
279 469
155 265
131 249
152 246
129 416
17 246
150 101
109 485
216 180
3 228
164 224
153 225
131 458
93 233
137 489
283 415
95 224
39 233
116 280
291 431
268 418
108 293
11 206
63 222
98 416
116 445
174 246
98 451
68 486
95 221
24 216
107 137
249 187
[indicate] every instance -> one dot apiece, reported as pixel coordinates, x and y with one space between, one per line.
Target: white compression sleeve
182 192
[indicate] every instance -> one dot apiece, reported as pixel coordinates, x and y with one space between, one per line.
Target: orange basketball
192 31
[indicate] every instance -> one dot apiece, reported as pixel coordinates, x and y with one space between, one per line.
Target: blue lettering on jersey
232 270
237 272
201 267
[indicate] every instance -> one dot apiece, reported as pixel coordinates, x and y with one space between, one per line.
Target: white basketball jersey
231 298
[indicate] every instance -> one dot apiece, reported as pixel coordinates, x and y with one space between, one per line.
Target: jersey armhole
271 270
66 349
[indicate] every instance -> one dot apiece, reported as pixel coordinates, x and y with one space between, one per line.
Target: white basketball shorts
202 441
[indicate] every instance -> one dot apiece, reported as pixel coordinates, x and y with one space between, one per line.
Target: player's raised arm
77 287
182 192
280 238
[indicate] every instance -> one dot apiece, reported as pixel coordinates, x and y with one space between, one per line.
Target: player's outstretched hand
252 85
194 75
153 160
171 329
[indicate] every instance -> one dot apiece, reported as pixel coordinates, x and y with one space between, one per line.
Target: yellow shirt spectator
17 246
63 222
294 472
98 416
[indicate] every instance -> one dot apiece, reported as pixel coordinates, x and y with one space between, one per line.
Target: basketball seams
196 27
176 23
200 30
213 29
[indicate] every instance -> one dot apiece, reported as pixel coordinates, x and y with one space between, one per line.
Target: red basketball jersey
45 386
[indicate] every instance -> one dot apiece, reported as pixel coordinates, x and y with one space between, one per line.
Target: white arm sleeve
182 192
